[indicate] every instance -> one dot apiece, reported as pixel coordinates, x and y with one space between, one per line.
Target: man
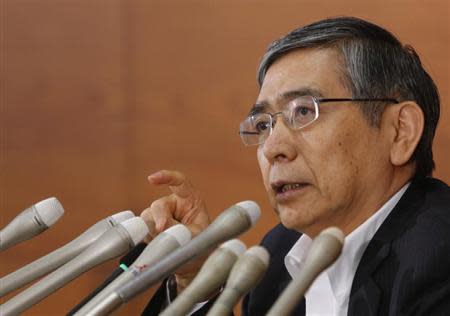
344 124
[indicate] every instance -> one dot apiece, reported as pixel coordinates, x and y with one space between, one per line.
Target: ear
408 122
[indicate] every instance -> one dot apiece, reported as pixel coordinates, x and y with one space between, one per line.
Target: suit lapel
365 293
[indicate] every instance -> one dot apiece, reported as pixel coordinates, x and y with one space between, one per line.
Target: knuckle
179 176
158 204
145 214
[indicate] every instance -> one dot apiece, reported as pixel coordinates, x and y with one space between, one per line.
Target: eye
261 123
303 110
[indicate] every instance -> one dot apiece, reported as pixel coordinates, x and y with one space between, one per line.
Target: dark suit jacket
405 269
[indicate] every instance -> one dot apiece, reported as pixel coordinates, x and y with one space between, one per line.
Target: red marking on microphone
141 268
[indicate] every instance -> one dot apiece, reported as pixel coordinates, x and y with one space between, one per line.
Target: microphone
325 249
230 223
211 276
31 222
60 256
163 244
110 244
124 262
245 274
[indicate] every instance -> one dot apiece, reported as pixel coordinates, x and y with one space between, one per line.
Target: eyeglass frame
317 102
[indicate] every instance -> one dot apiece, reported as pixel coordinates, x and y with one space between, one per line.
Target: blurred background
97 94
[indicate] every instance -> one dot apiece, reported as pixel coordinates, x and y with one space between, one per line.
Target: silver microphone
230 223
245 274
112 243
31 222
325 249
163 244
60 256
211 276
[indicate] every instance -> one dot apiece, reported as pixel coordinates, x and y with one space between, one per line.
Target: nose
280 144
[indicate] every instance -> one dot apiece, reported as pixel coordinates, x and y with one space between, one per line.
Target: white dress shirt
330 292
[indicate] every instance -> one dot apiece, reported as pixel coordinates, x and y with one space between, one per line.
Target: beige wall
95 95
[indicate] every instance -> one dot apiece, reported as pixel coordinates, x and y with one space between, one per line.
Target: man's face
324 174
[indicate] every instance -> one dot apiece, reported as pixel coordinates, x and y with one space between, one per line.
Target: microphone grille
261 253
335 232
234 245
181 233
122 216
136 228
49 210
252 210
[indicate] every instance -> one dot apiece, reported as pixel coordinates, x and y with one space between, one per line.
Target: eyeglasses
298 114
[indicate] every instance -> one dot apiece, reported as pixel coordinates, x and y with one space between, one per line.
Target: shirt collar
341 273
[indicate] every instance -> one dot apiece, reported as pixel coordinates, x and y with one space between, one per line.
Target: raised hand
184 205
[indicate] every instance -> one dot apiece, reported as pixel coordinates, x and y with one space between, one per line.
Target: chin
290 219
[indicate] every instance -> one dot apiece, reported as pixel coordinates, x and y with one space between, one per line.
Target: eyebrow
287 96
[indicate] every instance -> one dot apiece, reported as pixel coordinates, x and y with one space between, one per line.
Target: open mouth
280 187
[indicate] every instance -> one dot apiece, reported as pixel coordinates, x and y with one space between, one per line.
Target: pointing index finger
177 182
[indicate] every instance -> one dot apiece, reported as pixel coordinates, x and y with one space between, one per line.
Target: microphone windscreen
180 232
122 216
252 209
136 228
324 250
50 210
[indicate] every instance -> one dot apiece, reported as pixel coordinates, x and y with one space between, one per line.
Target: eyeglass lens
298 113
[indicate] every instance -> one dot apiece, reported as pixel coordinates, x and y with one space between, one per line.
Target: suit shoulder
433 212
426 235
280 239
436 200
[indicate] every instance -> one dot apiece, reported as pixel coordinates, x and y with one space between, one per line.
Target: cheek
335 160
350 156
264 166
344 155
